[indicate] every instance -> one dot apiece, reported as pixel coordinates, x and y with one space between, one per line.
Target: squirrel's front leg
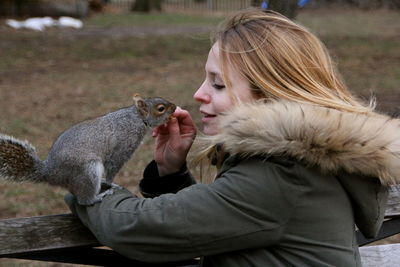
87 191
86 186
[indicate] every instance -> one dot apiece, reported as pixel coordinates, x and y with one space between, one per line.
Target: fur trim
367 144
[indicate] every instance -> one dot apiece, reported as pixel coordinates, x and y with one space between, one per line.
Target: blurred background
54 76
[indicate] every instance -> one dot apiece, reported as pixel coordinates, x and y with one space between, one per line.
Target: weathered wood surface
382 256
393 203
26 235
389 228
61 238
97 257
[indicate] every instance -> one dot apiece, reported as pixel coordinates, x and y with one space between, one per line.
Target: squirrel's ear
140 104
136 97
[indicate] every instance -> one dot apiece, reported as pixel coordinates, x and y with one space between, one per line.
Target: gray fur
86 153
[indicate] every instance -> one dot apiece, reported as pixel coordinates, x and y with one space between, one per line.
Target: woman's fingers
186 123
180 123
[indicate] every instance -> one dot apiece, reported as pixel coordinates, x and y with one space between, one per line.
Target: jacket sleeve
153 185
247 207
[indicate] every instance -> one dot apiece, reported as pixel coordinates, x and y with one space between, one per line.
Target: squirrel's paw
90 202
106 189
110 191
116 187
96 199
106 185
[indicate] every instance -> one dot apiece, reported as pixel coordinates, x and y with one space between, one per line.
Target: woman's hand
173 142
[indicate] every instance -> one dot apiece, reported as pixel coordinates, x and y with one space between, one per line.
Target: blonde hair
281 60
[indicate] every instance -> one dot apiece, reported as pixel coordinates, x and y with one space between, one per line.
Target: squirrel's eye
161 108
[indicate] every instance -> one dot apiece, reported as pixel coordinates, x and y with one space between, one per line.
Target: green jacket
290 194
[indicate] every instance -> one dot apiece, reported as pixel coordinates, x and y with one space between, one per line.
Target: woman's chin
207 130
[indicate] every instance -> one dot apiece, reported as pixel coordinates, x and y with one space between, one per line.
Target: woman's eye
218 86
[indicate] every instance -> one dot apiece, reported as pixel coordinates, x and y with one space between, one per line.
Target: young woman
300 161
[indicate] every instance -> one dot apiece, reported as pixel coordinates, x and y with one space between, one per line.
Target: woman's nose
201 95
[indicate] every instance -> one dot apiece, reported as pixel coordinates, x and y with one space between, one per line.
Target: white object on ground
36 24
39 24
70 22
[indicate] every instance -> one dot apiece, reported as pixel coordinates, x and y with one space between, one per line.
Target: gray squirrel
87 152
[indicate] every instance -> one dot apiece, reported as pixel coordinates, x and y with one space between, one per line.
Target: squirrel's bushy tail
19 161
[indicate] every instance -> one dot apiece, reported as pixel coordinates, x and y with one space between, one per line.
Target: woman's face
214 96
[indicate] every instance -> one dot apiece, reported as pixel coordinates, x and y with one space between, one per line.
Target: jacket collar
333 140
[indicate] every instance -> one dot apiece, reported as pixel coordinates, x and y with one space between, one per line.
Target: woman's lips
207 117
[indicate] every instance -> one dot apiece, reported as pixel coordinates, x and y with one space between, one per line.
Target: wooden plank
98 257
383 255
61 238
389 228
26 235
393 203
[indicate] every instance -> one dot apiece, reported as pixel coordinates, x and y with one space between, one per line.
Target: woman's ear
140 105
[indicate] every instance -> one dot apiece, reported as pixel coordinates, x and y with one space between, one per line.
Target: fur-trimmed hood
333 140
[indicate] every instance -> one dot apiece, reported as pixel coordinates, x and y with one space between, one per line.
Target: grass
343 22
51 80
366 47
137 19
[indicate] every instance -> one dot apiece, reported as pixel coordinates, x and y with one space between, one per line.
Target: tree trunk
147 5
256 3
40 8
287 8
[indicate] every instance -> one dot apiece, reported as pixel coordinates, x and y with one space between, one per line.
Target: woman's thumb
173 127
